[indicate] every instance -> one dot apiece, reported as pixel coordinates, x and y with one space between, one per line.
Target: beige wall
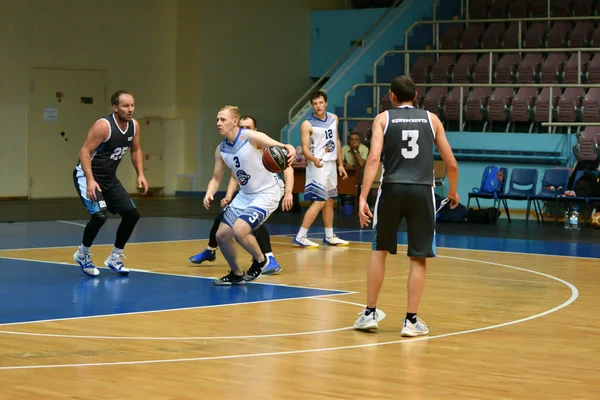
133 43
182 59
256 58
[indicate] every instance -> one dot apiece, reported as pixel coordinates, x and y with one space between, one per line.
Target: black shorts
113 197
416 203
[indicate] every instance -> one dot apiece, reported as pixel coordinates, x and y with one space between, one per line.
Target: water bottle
567 217
574 219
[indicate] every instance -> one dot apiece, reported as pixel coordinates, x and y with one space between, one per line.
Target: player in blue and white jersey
260 192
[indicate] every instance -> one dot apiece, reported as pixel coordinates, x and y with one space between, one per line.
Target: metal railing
579 50
297 106
462 86
491 20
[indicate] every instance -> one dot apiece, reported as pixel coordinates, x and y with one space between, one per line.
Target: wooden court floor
503 326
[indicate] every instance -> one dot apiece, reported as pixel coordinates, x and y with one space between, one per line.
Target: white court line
289 243
70 222
456 248
178 309
319 234
180 275
343 292
382 315
574 295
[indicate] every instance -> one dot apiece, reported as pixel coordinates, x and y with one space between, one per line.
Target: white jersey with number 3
323 141
246 163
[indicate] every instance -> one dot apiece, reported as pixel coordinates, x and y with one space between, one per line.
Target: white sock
328 232
211 248
302 232
269 255
84 250
117 251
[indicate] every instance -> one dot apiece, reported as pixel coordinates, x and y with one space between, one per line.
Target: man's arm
97 134
371 167
213 184
360 161
441 142
137 158
231 189
340 161
288 180
372 163
261 141
305 132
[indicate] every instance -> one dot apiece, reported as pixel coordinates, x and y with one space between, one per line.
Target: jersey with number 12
107 156
323 141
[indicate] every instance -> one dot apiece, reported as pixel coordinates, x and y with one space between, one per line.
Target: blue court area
35 291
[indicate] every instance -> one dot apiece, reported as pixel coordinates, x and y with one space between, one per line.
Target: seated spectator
354 154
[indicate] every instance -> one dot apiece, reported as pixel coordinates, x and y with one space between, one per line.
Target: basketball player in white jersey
260 192
323 151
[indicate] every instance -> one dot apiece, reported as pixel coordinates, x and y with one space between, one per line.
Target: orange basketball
275 159
596 220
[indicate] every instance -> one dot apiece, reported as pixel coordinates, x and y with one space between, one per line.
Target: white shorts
321 183
253 208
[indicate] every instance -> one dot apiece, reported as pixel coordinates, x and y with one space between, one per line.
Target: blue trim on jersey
229 216
99 148
235 140
254 216
313 192
232 148
321 123
434 246
319 119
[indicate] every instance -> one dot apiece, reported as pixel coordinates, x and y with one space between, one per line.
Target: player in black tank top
403 139
95 179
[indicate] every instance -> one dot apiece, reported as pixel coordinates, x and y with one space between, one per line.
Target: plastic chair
522 186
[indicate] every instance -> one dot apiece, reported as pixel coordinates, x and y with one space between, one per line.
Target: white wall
182 59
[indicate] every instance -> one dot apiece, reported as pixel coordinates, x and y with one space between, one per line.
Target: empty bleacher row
519 105
522 108
536 34
507 68
482 9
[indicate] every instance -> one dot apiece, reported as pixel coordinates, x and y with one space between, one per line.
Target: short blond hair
235 111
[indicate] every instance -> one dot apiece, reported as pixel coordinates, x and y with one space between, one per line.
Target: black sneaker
255 270
230 279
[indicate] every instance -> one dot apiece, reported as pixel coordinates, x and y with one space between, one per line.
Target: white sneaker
86 264
304 242
367 322
114 262
335 241
412 330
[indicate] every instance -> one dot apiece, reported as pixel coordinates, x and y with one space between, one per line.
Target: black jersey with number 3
407 152
106 158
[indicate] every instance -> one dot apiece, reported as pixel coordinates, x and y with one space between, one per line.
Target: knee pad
131 215
99 217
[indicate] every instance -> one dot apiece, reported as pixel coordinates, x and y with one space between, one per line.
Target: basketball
596 220
275 159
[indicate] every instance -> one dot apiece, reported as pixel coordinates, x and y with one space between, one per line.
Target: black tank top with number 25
106 158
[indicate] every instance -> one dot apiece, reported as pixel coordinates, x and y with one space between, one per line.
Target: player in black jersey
403 139
261 233
95 178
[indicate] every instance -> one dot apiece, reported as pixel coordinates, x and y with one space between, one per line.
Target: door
152 142
64 103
